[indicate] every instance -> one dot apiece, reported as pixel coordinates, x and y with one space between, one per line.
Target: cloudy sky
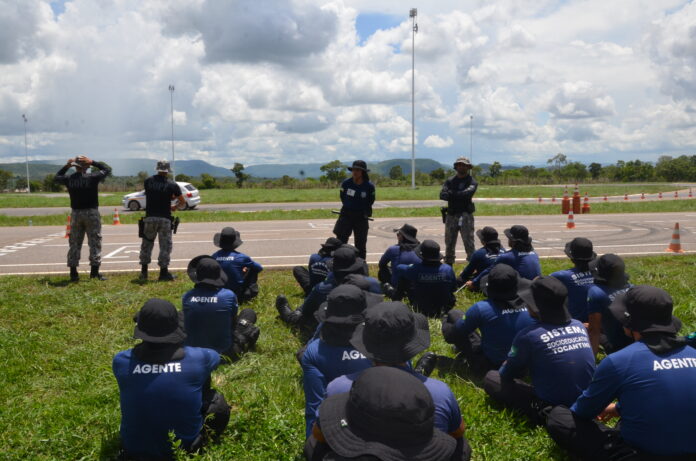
281 81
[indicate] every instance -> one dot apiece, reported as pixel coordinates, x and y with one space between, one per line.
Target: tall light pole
171 100
412 14
471 139
26 154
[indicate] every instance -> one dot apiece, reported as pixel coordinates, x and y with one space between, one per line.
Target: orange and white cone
675 244
586 205
553 198
570 224
540 199
642 196
676 195
690 194
659 195
67 228
625 196
605 197
117 218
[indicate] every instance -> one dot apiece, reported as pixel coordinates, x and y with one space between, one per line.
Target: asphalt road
42 250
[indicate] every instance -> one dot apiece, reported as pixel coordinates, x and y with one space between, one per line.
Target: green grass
59 400
220 196
482 209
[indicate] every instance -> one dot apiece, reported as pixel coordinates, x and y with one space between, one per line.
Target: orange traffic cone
565 202
540 199
676 195
117 218
553 198
605 197
659 195
675 244
642 196
67 228
625 196
586 205
690 194
570 224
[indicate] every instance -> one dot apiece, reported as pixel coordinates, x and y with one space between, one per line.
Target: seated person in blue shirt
331 355
345 262
429 284
498 318
578 280
653 382
210 312
555 350
165 387
318 267
387 415
610 280
401 253
392 335
242 271
520 257
484 257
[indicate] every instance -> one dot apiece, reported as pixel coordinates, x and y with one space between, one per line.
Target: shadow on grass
57 283
110 447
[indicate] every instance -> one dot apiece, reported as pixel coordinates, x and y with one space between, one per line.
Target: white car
136 200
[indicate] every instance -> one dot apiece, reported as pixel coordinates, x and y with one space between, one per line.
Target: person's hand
70 161
608 413
470 285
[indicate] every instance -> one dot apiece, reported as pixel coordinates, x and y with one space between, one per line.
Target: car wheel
181 207
133 205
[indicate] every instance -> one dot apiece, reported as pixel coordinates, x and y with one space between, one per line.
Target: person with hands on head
578 279
652 381
484 257
83 188
242 271
458 191
319 266
357 196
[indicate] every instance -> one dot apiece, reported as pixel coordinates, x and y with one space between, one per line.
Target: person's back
397 255
432 287
578 283
159 192
209 317
599 298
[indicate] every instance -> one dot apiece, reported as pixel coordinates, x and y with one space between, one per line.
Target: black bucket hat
205 269
429 251
488 234
503 283
408 233
345 305
391 333
359 165
332 244
518 233
159 322
547 297
227 239
388 414
580 249
346 261
610 270
646 309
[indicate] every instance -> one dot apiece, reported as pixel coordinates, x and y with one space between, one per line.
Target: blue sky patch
58 7
367 24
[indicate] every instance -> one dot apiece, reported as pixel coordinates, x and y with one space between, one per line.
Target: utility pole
171 100
412 14
26 154
471 139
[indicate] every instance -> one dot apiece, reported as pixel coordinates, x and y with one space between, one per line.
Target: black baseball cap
646 309
488 234
429 251
391 333
359 165
227 239
159 322
518 233
388 414
502 283
580 249
408 233
205 269
610 270
547 297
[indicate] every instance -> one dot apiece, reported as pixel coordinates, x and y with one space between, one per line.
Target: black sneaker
426 364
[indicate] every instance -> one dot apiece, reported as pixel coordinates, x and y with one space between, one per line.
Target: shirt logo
157 368
350 192
352 355
203 299
673 364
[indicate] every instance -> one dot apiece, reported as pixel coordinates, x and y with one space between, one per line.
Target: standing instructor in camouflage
158 222
459 191
83 187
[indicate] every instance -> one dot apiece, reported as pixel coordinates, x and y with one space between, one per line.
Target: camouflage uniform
85 220
162 229
459 191
462 223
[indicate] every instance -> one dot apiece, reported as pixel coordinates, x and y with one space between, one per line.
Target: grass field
482 209
218 196
59 400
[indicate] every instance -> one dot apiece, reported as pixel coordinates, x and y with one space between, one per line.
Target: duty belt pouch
443 212
141 228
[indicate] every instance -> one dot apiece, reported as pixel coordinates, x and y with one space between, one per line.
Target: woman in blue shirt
357 196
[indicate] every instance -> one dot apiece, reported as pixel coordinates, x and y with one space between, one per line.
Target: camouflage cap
163 166
463 160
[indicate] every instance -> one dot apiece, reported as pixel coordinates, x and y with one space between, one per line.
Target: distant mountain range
312 170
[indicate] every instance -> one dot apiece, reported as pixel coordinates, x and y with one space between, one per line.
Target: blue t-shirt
656 397
559 359
431 287
319 267
578 283
159 398
524 262
395 256
321 364
209 316
448 416
599 298
236 265
480 260
357 198
498 325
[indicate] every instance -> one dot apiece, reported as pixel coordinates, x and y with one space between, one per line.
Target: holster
175 223
443 212
141 228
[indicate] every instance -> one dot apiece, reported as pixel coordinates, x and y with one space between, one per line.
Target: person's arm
60 177
384 274
476 262
371 195
104 170
342 193
314 384
516 364
468 191
594 330
470 322
599 394
445 193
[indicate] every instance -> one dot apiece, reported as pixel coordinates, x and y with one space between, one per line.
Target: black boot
143 272
286 313
74 276
165 275
246 328
426 364
388 290
94 274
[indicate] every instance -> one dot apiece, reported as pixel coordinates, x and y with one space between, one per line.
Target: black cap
610 270
580 249
547 297
228 239
408 233
331 244
391 333
205 269
518 233
346 261
488 235
388 414
159 322
429 251
359 165
502 283
645 309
